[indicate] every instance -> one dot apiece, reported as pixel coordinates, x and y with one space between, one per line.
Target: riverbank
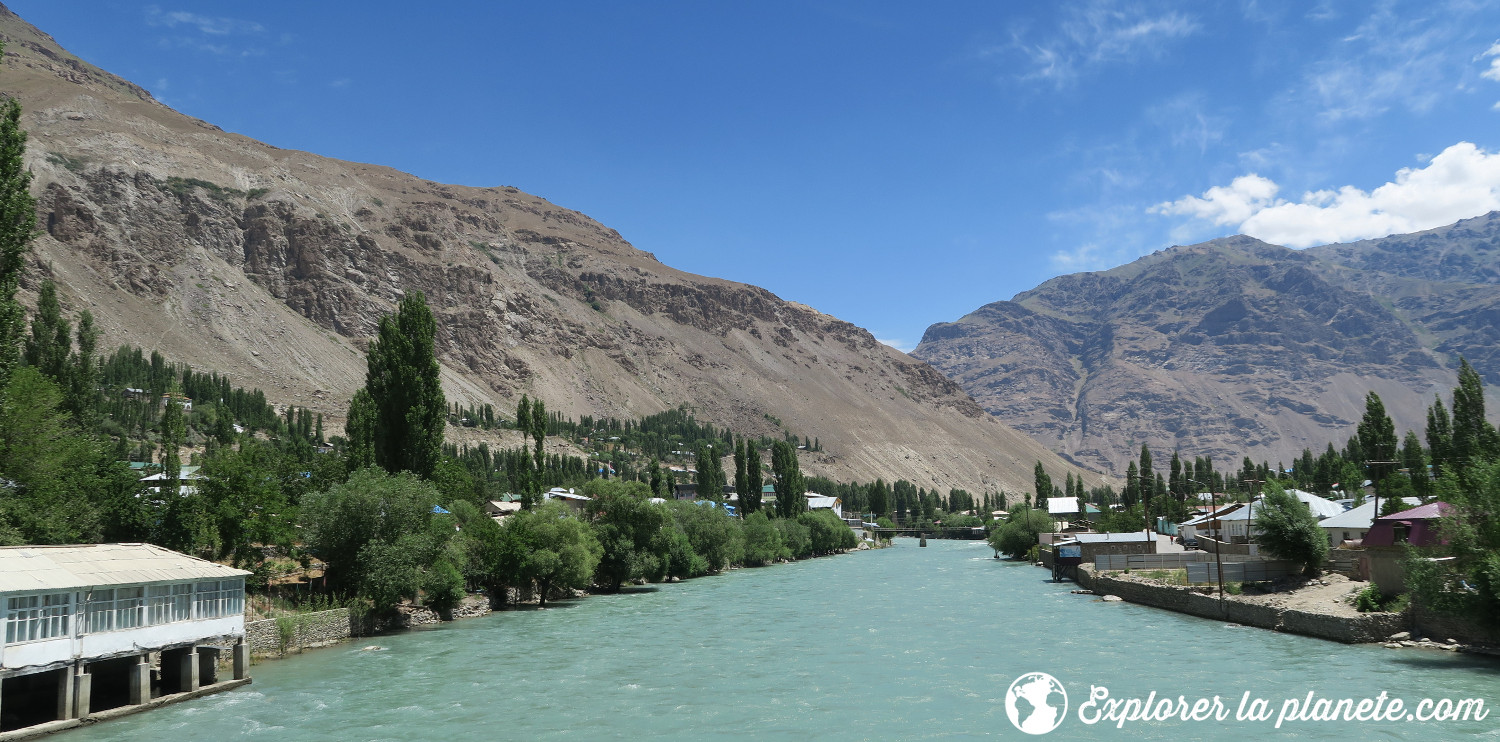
279 637
1319 609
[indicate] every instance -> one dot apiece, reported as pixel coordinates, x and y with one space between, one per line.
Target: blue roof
440 510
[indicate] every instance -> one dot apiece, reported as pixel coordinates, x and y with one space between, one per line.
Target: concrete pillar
208 665
140 680
189 674
83 685
65 691
241 659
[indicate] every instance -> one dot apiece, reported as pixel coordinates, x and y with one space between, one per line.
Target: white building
102 626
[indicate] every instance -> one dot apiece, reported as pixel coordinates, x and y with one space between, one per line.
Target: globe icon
1036 703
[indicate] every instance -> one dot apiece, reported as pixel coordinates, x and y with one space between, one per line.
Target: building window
218 598
169 603
34 617
100 611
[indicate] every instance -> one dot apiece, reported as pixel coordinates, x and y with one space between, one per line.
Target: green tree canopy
403 382
1288 530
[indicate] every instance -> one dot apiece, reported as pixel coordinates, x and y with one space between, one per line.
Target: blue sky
891 163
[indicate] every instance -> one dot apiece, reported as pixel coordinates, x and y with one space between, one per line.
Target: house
1091 545
1238 522
499 509
183 400
816 501
1417 526
568 497
184 475
99 626
1385 544
1352 525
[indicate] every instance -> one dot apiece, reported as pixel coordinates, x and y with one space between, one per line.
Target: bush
797 537
763 543
829 534
1288 530
1368 599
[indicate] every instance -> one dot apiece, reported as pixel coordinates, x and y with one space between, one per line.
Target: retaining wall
1368 627
307 630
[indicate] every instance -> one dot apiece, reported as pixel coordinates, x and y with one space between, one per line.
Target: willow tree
402 378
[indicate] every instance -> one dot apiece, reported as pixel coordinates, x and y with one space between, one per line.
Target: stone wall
1442 627
306 630
1369 627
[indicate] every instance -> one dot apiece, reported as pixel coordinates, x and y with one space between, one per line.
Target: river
900 643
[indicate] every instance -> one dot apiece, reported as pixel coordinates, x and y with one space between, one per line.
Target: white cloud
1460 182
1493 73
1231 204
1094 35
214 26
900 345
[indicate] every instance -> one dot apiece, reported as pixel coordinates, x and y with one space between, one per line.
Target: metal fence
1207 572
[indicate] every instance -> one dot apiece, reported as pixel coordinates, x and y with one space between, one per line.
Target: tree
1415 463
17 227
1474 438
359 430
710 476
630 530
789 484
51 339
1288 530
372 506
740 474
1147 477
1018 534
522 478
754 481
1132 492
48 470
763 543
547 546
1377 439
1439 437
244 502
1043 486
878 498
403 379
538 437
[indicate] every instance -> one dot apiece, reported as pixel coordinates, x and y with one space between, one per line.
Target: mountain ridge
273 266
1232 347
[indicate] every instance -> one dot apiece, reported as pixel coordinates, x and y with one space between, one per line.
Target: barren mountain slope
1228 348
274 266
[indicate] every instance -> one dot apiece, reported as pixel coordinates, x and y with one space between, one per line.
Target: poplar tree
538 454
403 380
789 484
17 227
521 479
1132 492
359 429
1377 439
754 480
739 470
1474 438
1043 485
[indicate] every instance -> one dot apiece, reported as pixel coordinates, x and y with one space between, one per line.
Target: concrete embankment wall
1368 627
305 631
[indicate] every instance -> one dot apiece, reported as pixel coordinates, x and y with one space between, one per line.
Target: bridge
975 533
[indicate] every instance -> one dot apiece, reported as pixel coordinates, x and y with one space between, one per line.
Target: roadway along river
902 643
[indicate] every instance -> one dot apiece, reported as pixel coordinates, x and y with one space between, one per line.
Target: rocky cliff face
275 265
1233 347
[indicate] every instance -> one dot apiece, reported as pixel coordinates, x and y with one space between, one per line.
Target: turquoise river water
900 643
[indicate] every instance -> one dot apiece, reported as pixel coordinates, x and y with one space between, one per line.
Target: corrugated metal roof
1430 511
32 568
1062 505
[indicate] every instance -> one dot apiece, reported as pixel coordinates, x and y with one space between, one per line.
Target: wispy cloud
212 34
1388 61
1108 236
1091 36
1462 181
901 345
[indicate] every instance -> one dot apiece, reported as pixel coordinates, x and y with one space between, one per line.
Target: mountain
274 266
1233 347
